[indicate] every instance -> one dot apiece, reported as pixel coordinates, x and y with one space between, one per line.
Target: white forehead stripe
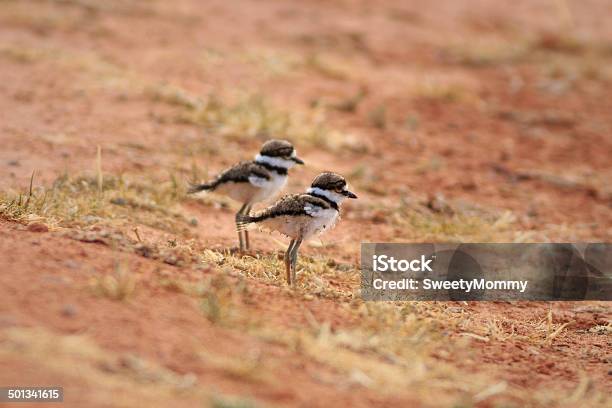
275 161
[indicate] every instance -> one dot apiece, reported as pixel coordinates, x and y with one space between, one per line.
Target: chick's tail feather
243 221
196 188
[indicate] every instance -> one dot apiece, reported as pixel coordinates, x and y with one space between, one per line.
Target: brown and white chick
250 182
300 216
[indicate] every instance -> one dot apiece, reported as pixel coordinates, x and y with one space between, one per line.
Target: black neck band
280 170
333 204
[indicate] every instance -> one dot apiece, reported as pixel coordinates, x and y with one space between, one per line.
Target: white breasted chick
300 216
250 182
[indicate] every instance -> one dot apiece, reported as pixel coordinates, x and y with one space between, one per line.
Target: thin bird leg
240 239
288 261
294 252
247 211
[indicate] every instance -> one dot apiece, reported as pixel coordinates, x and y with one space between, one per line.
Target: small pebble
70 264
38 227
119 201
69 310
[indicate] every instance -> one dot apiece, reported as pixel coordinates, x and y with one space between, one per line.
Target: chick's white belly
289 225
241 192
324 220
254 190
269 188
304 226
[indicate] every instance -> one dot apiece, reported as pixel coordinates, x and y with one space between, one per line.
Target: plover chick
300 216
250 182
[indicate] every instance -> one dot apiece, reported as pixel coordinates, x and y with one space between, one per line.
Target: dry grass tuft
219 298
250 117
118 286
563 43
350 103
327 67
227 402
378 117
552 330
81 201
486 53
537 48
272 62
172 96
365 179
456 227
435 90
314 273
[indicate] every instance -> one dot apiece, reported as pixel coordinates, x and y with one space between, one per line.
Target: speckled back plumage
293 204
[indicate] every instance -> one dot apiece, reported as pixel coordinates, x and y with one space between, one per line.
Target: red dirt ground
487 105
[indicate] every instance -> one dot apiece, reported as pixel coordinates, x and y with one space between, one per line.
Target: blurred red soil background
489 120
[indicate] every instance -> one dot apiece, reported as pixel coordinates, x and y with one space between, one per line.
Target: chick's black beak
349 194
297 160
